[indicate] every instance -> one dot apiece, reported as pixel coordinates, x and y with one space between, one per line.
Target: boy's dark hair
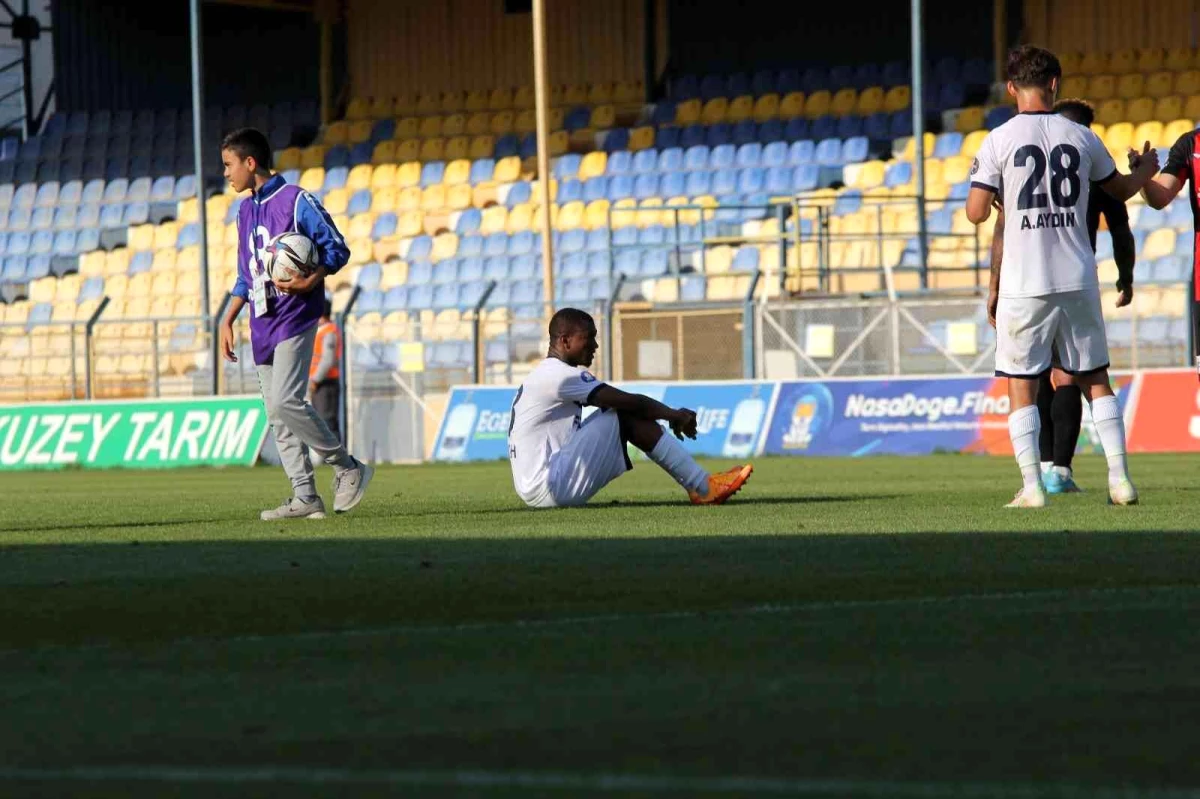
249 143
567 321
1032 67
1076 110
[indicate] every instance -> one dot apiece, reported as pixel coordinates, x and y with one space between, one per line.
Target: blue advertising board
475 426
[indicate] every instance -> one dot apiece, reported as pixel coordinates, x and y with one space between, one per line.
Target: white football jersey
548 408
1042 166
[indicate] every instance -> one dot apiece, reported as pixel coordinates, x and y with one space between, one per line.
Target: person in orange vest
324 379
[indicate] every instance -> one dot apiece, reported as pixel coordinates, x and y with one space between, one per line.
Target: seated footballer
558 460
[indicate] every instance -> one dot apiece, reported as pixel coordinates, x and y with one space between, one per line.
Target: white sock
1063 471
677 462
1047 466
1024 425
1106 415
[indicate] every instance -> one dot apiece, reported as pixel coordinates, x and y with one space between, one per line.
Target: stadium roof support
541 102
918 112
198 153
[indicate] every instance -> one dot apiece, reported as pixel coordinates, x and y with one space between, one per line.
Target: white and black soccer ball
292 254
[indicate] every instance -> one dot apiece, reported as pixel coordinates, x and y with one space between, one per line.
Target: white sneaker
295 508
349 485
1031 497
1122 492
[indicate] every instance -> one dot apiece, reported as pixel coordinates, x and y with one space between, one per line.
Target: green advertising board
141 434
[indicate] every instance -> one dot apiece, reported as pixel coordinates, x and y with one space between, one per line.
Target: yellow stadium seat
432 150
1094 63
406 104
1110 112
311 157
1140 110
360 226
1150 59
641 138
1101 87
444 246
595 214
870 101
458 198
1160 84
501 100
454 125
383 176
1131 86
458 147
1073 86
740 109
1159 243
453 101
1187 83
1174 302
139 285
337 133
165 235
1178 59
792 105
91 263
493 219
844 102
408 199
817 104
520 218
430 128
897 99
336 200
407 128
1168 108
409 224
359 131
163 283
1123 61
600 93
559 143
593 165
509 169
1069 61
1176 128
164 260
43 289
359 177
312 179
382 108
383 200
359 108
956 169
687 112
141 237
394 273
629 92
1117 137
766 107
476 101
1191 107
433 198
969 119
570 216
484 195
908 150
457 172
478 123
524 122
576 94
116 286
501 123
287 158
604 117
523 97
714 111
384 153
482 147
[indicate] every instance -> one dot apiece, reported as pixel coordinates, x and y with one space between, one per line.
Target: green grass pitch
874 627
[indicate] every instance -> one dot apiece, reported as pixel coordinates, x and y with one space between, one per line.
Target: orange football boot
722 486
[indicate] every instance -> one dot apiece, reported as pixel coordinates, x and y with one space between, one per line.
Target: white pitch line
605 783
671 615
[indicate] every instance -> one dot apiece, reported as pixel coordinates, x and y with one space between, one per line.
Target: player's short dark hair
1032 67
249 143
568 321
1079 111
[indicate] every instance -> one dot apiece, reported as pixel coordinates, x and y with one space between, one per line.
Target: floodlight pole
918 112
541 111
198 152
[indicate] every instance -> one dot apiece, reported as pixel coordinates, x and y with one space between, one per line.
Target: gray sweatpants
296 425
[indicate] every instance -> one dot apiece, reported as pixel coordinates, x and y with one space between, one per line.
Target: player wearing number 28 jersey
1040 167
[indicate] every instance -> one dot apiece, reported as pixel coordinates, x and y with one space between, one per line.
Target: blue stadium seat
231 213
841 76
470 269
432 173
521 243
528 148
139 191
744 132
112 216
163 189
20 218
667 137
692 135
620 187
445 272
13 269
796 129
189 236
719 134
763 82
771 131
829 152
663 114
495 244
136 214
468 221
947 145
901 125
395 299
615 140
595 189
724 182
814 79
369 301
359 203
997 116
644 160
692 289
91 289
848 202
496 268
722 157
470 246
369 276
751 180
673 184
577 118
421 296
645 186
141 261
619 162
41 219
420 248
959 191
335 179
779 181
698 184
597 240
976 72
518 193
24 195
66 218
64 243
38 266
526 292
385 225
806 177
849 126
685 87
856 150
524 267
824 127
567 166
42 243
573 266
599 264
749 155
696 157
899 173
47 194
335 156
746 259
952 95
625 236
482 170
185 186
573 241
383 130
652 235
420 272
569 191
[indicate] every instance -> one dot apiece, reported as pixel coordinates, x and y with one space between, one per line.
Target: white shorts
1031 331
593 457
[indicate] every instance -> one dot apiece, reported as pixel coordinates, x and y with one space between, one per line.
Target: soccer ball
291 254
